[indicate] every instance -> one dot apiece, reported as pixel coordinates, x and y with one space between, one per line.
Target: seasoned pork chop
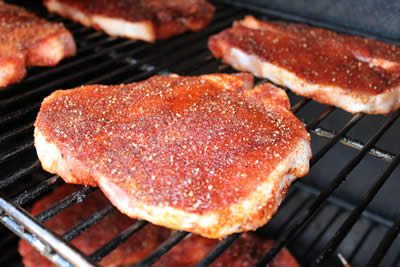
131 251
26 39
245 252
146 20
201 154
353 73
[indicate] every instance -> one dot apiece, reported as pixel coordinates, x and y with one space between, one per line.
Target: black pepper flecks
317 55
196 143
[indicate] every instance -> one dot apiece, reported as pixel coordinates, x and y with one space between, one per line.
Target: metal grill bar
19 174
80 59
11 134
162 249
350 124
28 109
110 246
319 118
218 250
75 197
302 204
128 55
75 63
75 75
384 246
18 151
361 242
350 142
305 217
82 226
10 154
345 205
52 212
324 114
29 195
227 242
321 233
8 215
54 84
171 45
351 220
299 105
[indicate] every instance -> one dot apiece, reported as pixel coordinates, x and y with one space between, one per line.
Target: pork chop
245 252
201 154
146 20
26 39
353 73
131 251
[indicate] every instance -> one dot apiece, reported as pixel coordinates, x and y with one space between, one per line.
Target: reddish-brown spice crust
134 249
39 53
186 142
168 17
245 252
24 40
316 55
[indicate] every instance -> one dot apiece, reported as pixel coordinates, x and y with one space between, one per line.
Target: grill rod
351 220
228 241
334 135
306 216
162 249
105 52
64 253
385 244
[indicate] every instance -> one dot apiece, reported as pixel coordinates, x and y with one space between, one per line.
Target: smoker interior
346 205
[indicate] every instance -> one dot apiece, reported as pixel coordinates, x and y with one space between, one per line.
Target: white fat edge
381 103
142 30
72 12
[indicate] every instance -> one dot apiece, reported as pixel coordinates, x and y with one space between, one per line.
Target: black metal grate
343 205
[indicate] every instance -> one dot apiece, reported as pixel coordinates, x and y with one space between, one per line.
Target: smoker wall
379 18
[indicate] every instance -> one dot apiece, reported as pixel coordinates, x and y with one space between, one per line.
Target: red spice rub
161 19
199 145
134 249
245 252
318 55
354 73
26 39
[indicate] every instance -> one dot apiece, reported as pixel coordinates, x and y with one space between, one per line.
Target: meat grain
146 20
26 39
353 73
208 154
132 250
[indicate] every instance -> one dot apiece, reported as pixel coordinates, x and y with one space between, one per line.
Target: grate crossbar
305 217
352 219
115 60
174 239
110 246
82 226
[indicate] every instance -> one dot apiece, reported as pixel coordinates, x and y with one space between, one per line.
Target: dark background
367 17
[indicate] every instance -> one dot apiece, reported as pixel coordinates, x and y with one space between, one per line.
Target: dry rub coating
132 250
204 154
353 73
146 20
26 39
245 252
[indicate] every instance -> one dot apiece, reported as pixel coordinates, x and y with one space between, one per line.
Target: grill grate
317 220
